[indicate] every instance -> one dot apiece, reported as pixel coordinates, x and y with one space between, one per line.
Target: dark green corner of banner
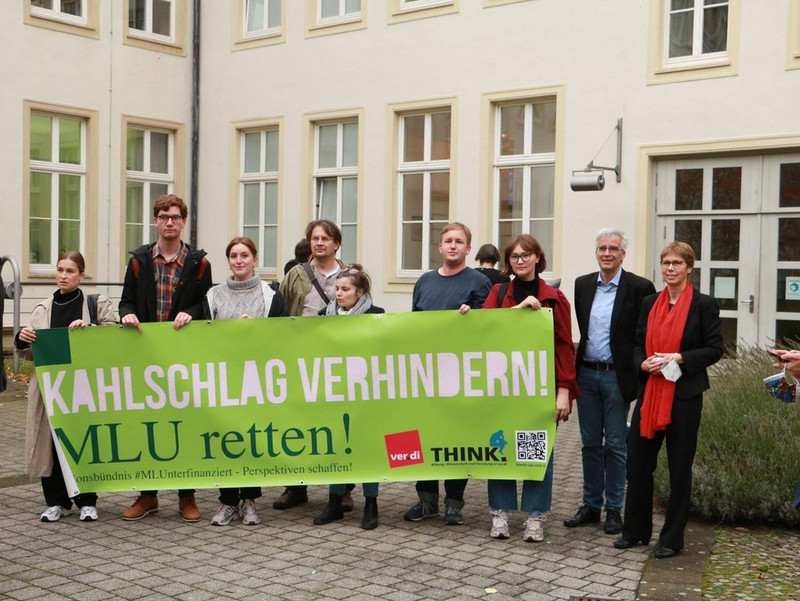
52 347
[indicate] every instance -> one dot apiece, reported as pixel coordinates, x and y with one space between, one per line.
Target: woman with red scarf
677 338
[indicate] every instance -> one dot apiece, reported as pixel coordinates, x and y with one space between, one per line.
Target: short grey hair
612 231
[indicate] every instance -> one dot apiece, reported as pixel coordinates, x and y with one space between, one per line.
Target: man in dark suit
607 305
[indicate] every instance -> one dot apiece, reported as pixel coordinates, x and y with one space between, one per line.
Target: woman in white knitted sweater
241 296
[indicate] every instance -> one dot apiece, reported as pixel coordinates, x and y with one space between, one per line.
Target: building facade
393 117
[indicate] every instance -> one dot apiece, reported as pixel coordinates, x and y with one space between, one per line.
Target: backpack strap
91 305
314 282
501 293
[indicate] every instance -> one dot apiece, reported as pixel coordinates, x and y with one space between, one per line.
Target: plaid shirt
167 275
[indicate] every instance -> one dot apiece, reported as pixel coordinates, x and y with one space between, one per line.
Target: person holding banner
525 260
352 298
243 295
165 280
679 335
67 308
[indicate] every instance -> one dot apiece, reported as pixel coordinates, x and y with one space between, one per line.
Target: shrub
748 452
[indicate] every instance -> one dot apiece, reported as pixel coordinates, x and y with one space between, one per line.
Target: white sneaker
534 532
55 513
499 524
88 513
248 512
225 515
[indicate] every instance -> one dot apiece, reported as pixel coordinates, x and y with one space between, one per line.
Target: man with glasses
452 286
165 281
607 305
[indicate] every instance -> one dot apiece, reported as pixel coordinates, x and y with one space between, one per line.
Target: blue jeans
603 417
536 495
370 489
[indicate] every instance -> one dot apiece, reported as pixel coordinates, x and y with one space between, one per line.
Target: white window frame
55 168
56 13
262 177
697 55
342 17
147 177
426 167
147 33
265 30
340 172
406 5
528 161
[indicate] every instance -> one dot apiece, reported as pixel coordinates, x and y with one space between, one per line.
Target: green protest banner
246 402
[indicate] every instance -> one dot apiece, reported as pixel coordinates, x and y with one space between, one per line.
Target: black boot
332 512
370 520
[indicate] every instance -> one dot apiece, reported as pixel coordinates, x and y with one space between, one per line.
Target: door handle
750 302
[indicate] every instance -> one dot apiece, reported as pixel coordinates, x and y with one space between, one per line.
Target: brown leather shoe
188 509
291 497
142 506
347 502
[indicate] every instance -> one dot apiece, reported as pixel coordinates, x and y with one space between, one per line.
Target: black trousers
681 437
232 496
428 491
55 490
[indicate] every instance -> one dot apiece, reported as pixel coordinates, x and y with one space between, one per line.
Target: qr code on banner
532 445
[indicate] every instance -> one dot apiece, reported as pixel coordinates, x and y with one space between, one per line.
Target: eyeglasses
610 249
675 264
524 257
174 218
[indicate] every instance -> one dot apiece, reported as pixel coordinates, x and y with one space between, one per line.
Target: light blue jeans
537 495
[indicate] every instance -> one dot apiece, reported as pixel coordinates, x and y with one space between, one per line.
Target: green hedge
748 455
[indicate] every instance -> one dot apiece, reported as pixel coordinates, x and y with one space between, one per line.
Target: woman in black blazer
678 335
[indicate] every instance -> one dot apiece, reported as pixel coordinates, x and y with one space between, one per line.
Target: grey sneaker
452 516
88 513
248 512
225 515
534 532
421 510
499 524
55 513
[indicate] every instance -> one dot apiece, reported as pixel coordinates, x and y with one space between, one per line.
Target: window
326 17
71 16
338 10
405 10
693 39
793 41
336 181
148 174
423 179
259 192
57 187
524 171
257 23
158 25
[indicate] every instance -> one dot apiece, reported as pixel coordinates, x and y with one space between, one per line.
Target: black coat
627 304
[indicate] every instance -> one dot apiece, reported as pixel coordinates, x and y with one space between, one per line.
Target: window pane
252 233
715 29
72 7
543 232
69 197
414 138
161 17
255 15
510 193
271 150
270 252
719 285
412 197
512 130
329 8
349 199
41 138
252 152
134 203
783 304
789 195
542 186
412 246
544 127
688 189
274 17
506 231
724 239
327 198
789 239
40 194
270 203
327 145
69 141
136 14
440 196
681 32
156 190
786 330
349 144
440 136
159 152
726 188
348 248
691 232
434 256
69 235
48 4
40 241
133 236
134 151
250 209
682 4
352 6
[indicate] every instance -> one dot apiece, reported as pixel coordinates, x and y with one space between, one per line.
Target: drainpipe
195 121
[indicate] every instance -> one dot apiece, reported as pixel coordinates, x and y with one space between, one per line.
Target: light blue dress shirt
598 346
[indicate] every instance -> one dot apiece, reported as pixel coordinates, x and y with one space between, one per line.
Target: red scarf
664 333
